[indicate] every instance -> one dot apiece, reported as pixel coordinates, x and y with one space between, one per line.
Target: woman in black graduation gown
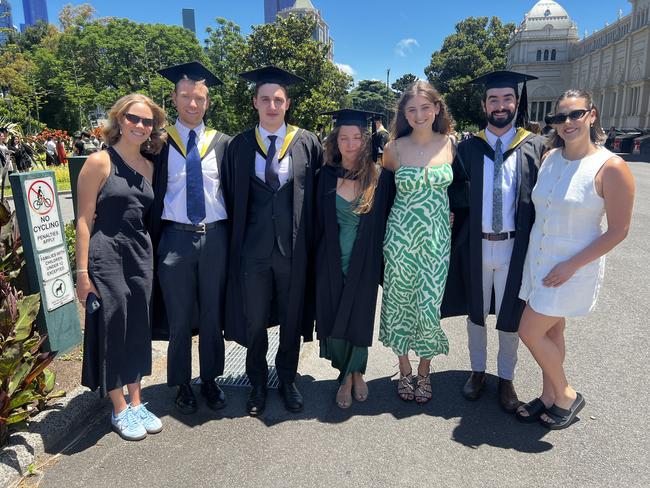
353 198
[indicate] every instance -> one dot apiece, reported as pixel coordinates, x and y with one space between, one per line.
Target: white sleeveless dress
568 217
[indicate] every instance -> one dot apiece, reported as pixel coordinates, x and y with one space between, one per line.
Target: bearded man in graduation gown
490 197
190 234
270 172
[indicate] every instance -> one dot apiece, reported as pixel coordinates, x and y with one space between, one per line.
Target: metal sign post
44 246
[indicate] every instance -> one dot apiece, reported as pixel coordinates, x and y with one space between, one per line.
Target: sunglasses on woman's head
134 119
573 115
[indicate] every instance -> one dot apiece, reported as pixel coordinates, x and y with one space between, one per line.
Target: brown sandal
423 391
405 388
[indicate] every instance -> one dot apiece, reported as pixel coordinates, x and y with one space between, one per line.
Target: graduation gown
347 310
464 289
218 144
239 164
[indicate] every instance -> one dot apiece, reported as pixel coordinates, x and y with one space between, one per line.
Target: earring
120 131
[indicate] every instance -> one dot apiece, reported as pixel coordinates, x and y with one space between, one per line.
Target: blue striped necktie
194 182
497 189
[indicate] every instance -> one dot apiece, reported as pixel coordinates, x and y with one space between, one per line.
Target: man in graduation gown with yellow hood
494 174
189 231
269 182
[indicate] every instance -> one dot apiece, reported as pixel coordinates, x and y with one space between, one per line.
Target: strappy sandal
405 388
561 418
360 392
423 391
343 399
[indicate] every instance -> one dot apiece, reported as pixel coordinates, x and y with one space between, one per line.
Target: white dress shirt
175 202
508 183
284 171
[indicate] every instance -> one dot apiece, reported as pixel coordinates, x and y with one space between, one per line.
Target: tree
373 96
477 47
401 84
72 16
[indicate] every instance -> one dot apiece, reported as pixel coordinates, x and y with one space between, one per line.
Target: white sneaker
149 421
128 425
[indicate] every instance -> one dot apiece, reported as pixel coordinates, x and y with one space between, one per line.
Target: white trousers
496 262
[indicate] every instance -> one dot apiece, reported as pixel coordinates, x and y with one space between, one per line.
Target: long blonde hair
111 132
365 169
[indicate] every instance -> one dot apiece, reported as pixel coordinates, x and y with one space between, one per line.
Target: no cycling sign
46 227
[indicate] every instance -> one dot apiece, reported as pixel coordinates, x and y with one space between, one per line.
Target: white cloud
405 46
346 68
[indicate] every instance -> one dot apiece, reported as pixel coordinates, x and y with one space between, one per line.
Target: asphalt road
386 442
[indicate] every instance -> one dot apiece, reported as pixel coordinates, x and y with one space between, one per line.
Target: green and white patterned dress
416 256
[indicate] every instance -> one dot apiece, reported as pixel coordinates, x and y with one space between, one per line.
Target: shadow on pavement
480 423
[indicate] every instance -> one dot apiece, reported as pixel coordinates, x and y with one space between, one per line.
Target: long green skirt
345 357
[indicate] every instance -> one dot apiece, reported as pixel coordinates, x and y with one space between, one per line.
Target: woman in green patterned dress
417 242
353 198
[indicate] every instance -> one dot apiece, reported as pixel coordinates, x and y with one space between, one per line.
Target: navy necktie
194 182
271 170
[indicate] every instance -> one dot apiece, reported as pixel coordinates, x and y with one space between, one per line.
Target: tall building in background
613 63
6 20
189 21
35 10
321 32
272 7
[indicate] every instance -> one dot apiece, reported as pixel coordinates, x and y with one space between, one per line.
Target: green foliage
402 83
25 383
477 47
374 96
71 240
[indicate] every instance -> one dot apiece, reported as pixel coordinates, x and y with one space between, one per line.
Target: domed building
613 63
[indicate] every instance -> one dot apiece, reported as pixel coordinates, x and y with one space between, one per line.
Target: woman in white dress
579 183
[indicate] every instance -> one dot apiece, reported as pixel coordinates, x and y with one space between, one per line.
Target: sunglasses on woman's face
135 119
573 115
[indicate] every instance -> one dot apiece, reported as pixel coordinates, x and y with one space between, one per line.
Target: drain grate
234 373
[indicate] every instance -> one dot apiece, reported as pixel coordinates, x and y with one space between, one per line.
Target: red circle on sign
41 202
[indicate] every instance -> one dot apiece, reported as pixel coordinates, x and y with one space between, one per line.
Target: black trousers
265 280
192 275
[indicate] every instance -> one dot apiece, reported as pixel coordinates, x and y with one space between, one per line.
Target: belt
503 236
199 228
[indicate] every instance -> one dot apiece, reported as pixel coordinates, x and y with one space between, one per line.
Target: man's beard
501 123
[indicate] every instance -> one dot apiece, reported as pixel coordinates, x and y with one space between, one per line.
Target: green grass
60 173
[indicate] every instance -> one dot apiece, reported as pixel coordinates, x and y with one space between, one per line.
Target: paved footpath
386 442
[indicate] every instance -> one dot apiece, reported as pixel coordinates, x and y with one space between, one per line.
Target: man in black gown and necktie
190 235
269 182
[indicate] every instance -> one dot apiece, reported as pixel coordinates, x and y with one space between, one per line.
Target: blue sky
370 36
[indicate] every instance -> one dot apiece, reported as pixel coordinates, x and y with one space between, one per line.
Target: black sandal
562 418
534 408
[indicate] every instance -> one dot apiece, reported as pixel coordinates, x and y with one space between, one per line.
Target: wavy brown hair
365 171
111 132
596 132
443 122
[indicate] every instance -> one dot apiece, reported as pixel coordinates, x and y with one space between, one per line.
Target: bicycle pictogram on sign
40 197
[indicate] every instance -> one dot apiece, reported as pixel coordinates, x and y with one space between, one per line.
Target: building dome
546 14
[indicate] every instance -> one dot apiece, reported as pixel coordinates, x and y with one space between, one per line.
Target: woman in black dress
115 261
353 199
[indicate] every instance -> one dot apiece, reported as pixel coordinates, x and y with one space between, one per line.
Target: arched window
545 54
553 54
539 55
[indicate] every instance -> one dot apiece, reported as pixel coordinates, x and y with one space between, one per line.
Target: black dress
117 341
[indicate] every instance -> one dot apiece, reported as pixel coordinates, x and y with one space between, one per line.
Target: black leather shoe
474 386
214 396
256 401
508 396
185 399
291 396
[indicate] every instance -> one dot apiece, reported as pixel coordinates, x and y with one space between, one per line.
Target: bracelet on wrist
82 271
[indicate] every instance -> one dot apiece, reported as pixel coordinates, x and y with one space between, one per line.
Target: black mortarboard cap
271 74
194 71
350 116
509 79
